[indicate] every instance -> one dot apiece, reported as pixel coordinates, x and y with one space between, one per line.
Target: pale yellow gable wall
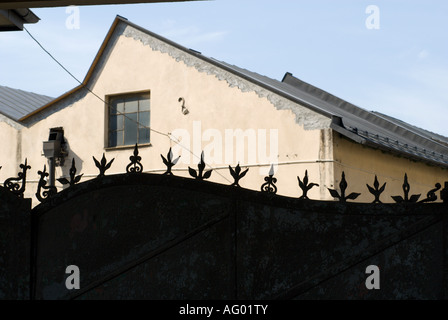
361 164
218 100
10 153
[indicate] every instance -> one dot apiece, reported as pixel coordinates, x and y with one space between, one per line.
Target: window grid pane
116 138
143 119
116 122
143 135
144 105
129 119
131 105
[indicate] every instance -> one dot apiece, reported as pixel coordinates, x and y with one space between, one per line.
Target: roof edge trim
89 72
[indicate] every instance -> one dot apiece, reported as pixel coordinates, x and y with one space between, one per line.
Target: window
129 119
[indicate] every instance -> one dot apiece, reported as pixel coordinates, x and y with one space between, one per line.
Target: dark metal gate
149 236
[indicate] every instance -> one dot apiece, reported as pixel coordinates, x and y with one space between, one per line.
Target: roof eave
64 3
119 19
88 75
336 125
14 19
50 103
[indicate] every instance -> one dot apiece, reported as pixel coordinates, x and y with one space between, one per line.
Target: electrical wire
82 84
175 140
108 105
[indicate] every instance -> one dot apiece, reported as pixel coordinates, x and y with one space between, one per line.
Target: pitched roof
15 103
375 129
366 127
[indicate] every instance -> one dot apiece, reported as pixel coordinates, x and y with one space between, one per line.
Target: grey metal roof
15 103
366 127
428 134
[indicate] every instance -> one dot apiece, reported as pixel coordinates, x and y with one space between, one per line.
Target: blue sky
400 69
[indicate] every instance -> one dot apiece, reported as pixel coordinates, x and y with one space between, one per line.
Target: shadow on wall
71 168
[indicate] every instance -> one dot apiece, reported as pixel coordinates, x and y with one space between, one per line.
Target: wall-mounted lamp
55 151
184 108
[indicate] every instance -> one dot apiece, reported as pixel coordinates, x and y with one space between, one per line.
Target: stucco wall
361 164
219 105
10 153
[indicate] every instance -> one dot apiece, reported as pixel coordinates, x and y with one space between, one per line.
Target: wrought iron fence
17 185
